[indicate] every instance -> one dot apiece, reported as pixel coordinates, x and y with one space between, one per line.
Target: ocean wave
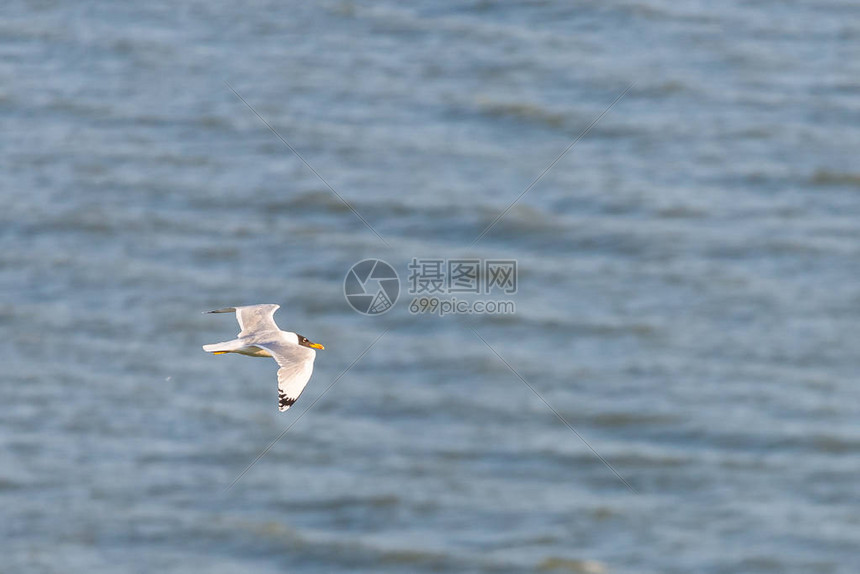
828 177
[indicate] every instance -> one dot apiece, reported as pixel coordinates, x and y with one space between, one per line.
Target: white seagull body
260 337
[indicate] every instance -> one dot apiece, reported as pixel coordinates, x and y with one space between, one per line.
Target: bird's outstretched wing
253 318
296 365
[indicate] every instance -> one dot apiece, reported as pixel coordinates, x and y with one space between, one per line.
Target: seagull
259 336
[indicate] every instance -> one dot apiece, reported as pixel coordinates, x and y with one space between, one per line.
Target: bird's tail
224 347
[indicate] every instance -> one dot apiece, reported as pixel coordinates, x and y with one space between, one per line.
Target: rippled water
688 288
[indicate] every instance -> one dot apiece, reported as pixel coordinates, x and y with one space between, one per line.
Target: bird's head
304 342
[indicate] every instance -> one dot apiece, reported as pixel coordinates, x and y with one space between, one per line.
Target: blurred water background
688 286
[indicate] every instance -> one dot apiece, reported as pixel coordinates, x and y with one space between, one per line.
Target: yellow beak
316 346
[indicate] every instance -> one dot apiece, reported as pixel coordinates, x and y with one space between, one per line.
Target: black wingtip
224 310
